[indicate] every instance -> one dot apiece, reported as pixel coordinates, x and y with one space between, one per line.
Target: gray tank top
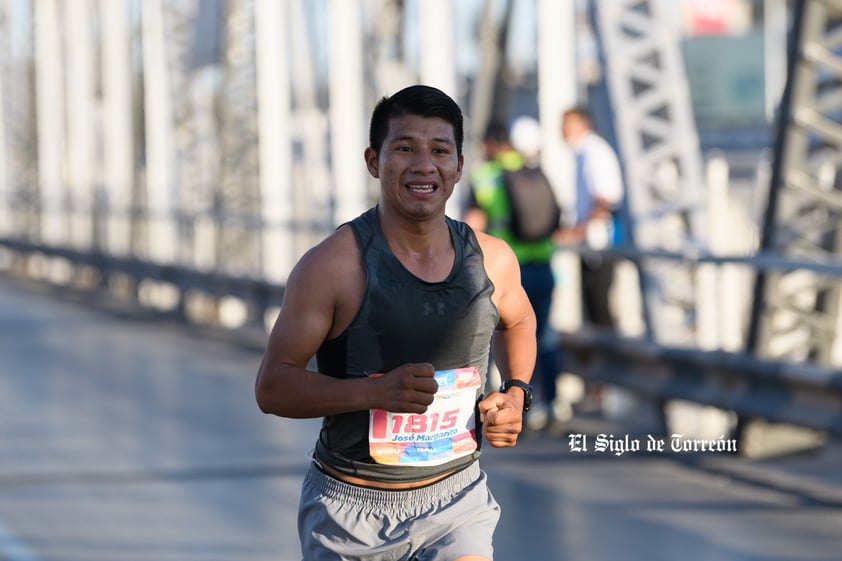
403 319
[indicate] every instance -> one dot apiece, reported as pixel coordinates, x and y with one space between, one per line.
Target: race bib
445 432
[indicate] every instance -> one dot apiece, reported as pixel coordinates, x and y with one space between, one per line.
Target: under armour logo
430 308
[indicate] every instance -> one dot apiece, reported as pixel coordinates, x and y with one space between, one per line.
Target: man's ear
371 162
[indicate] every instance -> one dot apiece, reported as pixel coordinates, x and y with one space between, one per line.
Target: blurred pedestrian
596 222
400 307
596 226
508 189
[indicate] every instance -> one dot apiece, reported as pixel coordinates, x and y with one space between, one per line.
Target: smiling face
418 166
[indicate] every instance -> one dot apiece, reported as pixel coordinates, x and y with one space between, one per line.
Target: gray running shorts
440 522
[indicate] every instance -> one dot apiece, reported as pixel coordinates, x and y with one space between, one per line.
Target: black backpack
535 209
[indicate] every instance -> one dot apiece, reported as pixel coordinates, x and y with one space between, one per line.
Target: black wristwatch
527 391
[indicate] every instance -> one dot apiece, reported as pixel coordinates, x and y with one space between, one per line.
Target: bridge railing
802 393
208 298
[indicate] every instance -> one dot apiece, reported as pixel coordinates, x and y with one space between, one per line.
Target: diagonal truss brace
659 146
795 314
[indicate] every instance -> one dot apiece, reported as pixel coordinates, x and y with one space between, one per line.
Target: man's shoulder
338 252
495 250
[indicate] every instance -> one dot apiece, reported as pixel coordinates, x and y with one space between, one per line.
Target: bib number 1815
413 423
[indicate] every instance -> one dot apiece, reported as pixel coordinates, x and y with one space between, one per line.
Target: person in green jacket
489 210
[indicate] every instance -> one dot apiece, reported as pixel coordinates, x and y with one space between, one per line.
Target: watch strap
527 391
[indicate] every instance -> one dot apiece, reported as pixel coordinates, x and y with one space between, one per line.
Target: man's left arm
514 344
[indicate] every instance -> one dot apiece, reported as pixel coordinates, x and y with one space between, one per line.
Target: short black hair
496 131
421 100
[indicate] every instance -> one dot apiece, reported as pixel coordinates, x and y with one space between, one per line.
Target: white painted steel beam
82 124
347 109
162 234
437 50
6 224
557 79
118 138
49 79
274 104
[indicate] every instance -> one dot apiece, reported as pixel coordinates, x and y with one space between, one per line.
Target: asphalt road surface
127 439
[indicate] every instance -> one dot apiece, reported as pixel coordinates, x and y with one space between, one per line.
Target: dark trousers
597 276
538 282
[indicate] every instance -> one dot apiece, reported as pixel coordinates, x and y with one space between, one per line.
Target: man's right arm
317 289
285 386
